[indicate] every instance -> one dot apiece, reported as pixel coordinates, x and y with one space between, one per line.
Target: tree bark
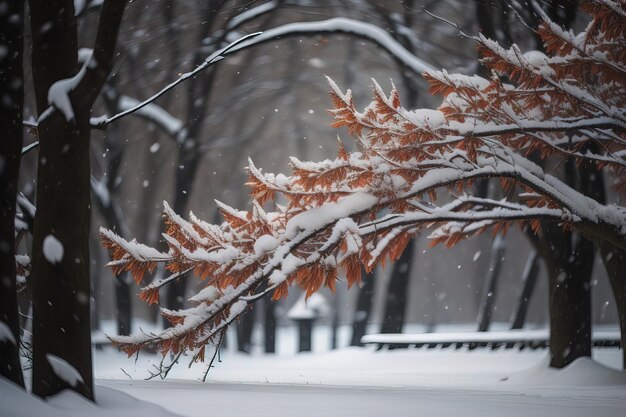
61 291
111 213
570 307
529 279
491 284
614 260
569 260
188 161
270 325
363 309
244 332
61 288
396 300
11 114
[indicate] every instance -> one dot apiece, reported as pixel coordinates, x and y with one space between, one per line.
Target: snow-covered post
304 312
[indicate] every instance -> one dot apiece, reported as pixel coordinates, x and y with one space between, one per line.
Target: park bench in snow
521 339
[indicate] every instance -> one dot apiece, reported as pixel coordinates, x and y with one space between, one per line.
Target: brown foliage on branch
363 207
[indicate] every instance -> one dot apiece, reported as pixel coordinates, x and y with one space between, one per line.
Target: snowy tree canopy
363 207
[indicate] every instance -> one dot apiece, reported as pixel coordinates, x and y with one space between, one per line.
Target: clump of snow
426 117
59 92
64 370
209 293
265 244
6 335
313 307
52 249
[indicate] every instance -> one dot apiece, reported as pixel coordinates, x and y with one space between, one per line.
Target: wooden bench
532 339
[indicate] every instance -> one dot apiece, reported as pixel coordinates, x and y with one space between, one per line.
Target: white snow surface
64 370
359 382
363 382
15 402
52 249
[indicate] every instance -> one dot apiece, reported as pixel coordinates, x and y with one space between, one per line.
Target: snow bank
15 402
358 382
583 372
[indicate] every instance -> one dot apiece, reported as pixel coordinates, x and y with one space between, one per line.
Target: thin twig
212 59
215 354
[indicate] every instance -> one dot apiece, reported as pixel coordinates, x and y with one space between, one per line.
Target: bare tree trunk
61 287
61 290
189 155
529 279
11 114
244 332
615 263
363 309
188 161
110 212
269 326
396 300
570 310
491 284
569 260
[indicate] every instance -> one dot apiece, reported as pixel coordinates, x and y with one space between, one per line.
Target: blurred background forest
268 103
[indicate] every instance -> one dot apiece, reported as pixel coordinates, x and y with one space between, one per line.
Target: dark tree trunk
396 300
244 332
396 297
567 256
491 284
569 259
110 212
570 308
61 288
529 280
615 263
363 309
189 155
123 305
11 113
270 326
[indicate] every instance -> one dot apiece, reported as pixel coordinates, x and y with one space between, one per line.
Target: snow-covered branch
363 207
348 26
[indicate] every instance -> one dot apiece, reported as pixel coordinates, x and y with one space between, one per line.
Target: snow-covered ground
348 382
363 382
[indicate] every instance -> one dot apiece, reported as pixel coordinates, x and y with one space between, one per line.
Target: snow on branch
361 208
348 26
59 96
210 60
